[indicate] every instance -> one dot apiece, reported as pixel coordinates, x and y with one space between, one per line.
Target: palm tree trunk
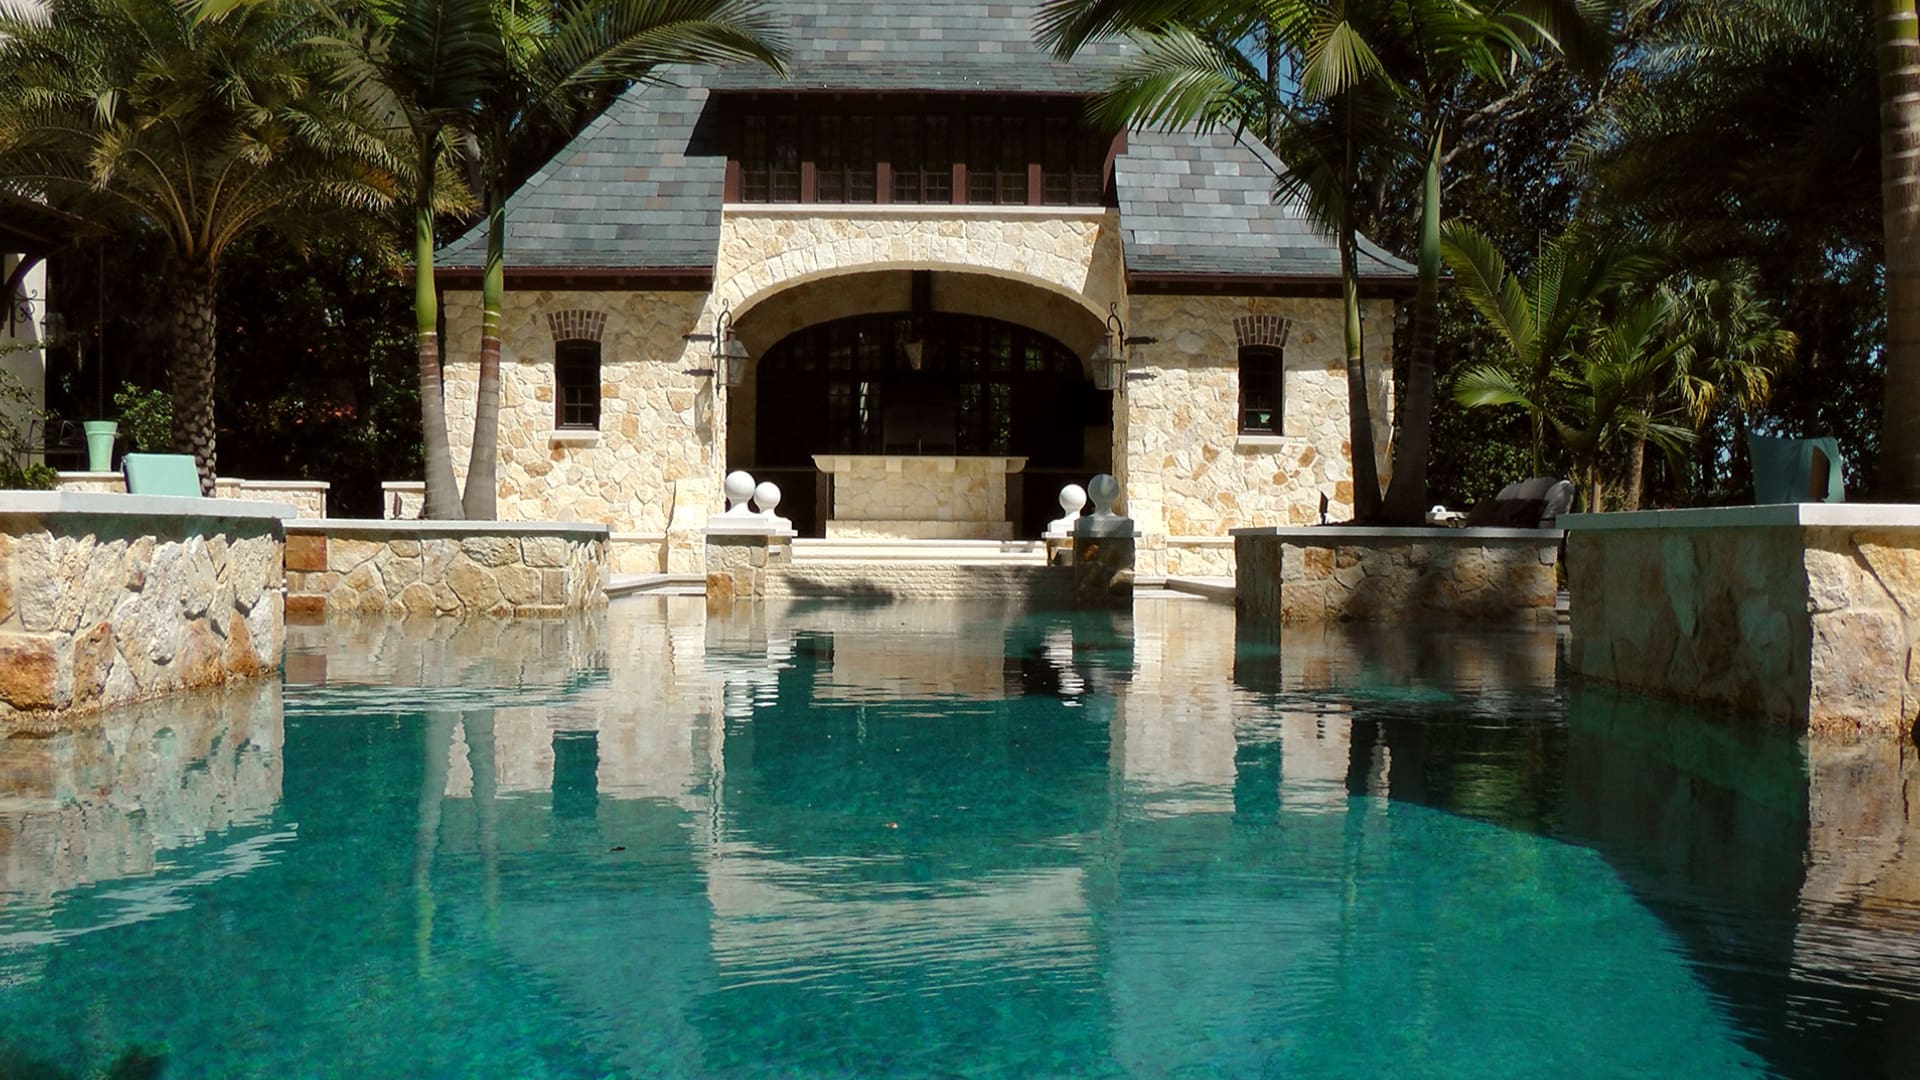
193 370
1407 494
442 496
1366 474
1636 471
480 498
1897 37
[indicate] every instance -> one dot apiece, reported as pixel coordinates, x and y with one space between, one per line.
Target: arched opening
921 382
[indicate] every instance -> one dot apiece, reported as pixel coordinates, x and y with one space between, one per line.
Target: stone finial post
1103 549
1073 498
738 488
767 498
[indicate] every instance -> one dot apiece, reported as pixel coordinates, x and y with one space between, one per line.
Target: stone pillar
1103 550
743 546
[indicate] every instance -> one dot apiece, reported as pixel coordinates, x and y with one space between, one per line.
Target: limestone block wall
1342 574
658 424
307 497
1186 469
741 566
1807 615
451 568
112 599
892 495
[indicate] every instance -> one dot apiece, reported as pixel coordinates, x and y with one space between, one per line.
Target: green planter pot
100 434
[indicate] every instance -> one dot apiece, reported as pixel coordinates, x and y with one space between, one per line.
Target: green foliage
146 418
20 419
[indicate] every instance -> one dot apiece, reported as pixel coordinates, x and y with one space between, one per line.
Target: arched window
576 384
1262 386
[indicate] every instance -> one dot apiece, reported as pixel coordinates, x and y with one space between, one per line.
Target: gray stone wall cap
1325 535
287 485
1775 515
585 530
116 504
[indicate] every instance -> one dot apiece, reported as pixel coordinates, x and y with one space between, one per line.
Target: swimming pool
949 840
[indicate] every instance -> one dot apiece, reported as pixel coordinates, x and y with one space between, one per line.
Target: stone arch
576 324
1268 330
1074 256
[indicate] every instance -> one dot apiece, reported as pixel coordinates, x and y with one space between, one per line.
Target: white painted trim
573 437
1329 535
34 503
397 527
1262 442
1775 515
930 211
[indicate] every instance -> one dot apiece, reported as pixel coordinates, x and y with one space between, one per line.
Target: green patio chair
161 474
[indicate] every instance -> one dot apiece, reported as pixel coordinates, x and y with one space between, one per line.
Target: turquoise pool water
945 841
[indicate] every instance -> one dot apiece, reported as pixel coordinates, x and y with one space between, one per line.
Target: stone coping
116 504
1774 515
277 485
1328 535
411 527
840 462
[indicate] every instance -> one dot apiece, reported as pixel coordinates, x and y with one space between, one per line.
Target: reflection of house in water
164 788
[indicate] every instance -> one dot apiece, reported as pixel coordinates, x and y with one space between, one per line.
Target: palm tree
1372 82
426 64
1732 348
560 64
141 114
1538 317
1897 47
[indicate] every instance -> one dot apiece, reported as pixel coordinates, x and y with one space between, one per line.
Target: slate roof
641 187
1203 204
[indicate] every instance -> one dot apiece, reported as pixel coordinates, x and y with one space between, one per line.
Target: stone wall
1807 615
307 497
447 568
1187 470
111 599
1336 574
953 498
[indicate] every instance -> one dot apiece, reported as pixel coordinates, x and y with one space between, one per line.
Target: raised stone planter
456 568
1348 573
111 599
307 497
1803 614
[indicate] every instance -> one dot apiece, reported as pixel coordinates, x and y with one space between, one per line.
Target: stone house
911 286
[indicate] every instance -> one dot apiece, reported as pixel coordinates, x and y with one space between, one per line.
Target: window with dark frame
1262 390
788 151
576 377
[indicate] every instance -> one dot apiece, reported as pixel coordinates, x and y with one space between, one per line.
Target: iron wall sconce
729 352
1110 356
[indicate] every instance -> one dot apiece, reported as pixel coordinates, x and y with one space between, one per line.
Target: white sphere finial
766 497
738 488
1073 497
1103 489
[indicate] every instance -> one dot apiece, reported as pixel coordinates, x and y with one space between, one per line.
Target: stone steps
869 551
921 580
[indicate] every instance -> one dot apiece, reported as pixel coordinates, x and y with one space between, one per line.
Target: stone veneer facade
112 599
1807 615
432 568
1336 574
1188 476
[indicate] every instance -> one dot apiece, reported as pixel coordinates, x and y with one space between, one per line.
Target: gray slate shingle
639 189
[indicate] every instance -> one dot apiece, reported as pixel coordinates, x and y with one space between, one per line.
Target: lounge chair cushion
161 474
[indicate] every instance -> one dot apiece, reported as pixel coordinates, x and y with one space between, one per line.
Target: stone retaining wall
1803 614
458 568
307 497
1339 574
110 599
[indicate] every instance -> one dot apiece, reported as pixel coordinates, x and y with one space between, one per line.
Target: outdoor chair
1528 504
161 474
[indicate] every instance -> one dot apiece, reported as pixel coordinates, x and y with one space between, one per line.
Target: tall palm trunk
1636 473
442 498
193 368
1897 36
1366 474
1407 494
480 498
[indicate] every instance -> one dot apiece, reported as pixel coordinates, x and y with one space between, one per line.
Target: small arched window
576 390
1262 385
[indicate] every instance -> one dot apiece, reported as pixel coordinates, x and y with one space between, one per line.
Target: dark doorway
932 383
